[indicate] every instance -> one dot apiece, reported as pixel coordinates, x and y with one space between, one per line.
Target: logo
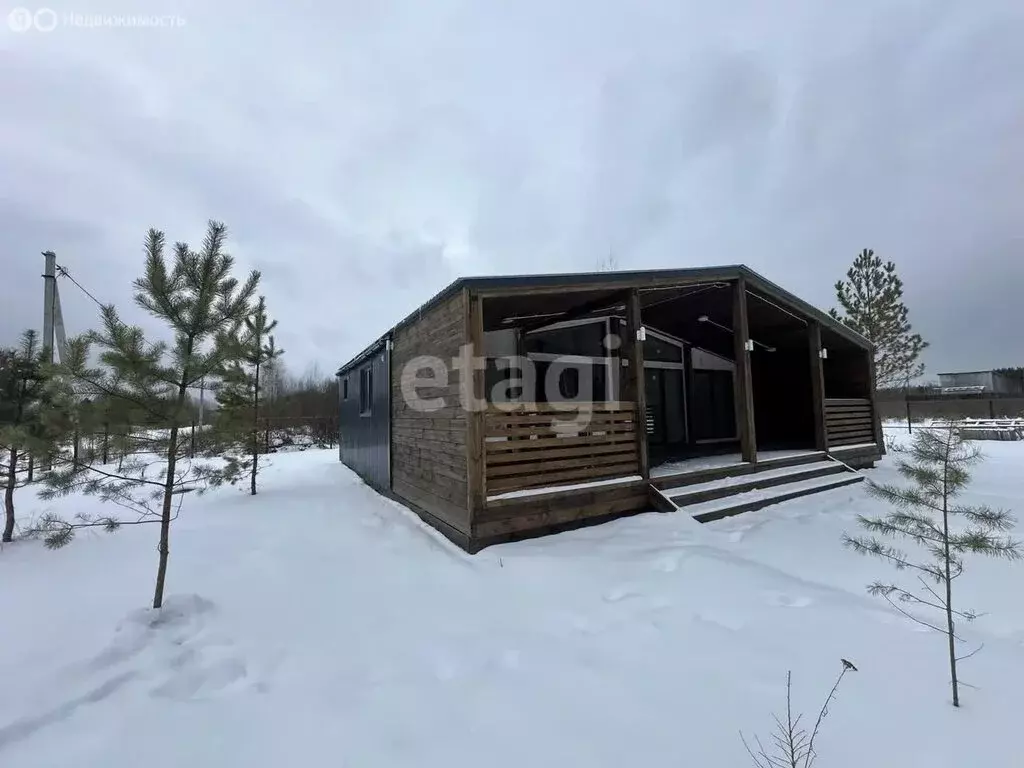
22 20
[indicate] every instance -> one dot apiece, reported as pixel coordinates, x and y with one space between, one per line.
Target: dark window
569 383
713 414
585 340
499 371
344 388
366 391
657 350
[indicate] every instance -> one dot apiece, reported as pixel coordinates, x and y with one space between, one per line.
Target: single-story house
515 406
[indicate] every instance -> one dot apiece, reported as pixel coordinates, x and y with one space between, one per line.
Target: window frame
366 390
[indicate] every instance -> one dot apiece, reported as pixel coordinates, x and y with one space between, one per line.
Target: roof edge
724 271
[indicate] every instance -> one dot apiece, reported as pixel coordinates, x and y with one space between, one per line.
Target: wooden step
696 476
765 478
764 497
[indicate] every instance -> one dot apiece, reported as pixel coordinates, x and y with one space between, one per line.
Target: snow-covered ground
319 624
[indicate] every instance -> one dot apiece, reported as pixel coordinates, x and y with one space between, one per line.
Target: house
982 382
507 407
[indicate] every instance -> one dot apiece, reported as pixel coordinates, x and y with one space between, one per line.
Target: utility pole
54 337
49 299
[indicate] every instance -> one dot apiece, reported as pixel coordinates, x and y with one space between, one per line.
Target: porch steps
746 487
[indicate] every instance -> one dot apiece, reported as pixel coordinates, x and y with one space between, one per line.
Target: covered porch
595 384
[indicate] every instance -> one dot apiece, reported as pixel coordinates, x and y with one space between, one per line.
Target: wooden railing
849 422
531 445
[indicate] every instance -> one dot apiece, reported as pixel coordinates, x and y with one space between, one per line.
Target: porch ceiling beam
580 310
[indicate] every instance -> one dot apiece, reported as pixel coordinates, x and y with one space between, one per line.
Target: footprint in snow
617 594
667 564
788 601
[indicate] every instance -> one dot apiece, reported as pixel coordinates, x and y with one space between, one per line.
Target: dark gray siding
365 438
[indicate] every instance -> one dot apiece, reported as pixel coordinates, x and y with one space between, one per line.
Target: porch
661 380
605 399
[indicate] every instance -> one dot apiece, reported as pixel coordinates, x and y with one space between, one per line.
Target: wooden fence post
106 442
74 448
192 442
31 463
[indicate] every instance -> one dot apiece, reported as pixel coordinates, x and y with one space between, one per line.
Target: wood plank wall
428 449
536 445
849 421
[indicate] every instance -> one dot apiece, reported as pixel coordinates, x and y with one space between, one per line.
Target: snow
320 624
769 474
701 463
558 488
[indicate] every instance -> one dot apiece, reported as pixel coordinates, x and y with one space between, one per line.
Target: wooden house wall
428 448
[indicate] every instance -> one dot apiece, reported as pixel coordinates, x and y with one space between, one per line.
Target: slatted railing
533 445
849 421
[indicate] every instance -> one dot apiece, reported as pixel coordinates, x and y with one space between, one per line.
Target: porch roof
499 285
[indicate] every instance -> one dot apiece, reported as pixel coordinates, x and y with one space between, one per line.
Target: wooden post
106 442
192 441
744 386
635 377
31 463
476 459
876 420
817 386
74 447
266 435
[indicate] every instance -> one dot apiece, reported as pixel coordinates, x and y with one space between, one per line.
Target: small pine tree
927 513
25 429
204 306
241 394
871 299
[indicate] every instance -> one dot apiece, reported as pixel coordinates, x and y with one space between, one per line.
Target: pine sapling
242 393
204 308
942 530
25 430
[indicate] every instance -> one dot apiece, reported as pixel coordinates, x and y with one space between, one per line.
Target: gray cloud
364 154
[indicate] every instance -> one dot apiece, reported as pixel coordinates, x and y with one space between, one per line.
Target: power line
63 272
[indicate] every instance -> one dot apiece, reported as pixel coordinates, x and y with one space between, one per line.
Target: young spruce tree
943 530
204 308
25 429
871 299
241 394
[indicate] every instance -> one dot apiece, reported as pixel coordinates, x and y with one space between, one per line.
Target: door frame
681 367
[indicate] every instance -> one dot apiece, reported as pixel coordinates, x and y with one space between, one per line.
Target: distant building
989 382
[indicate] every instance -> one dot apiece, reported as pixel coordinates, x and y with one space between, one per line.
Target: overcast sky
364 154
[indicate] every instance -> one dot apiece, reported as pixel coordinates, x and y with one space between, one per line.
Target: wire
63 272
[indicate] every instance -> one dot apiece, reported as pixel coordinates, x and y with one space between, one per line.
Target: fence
849 421
915 407
537 445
